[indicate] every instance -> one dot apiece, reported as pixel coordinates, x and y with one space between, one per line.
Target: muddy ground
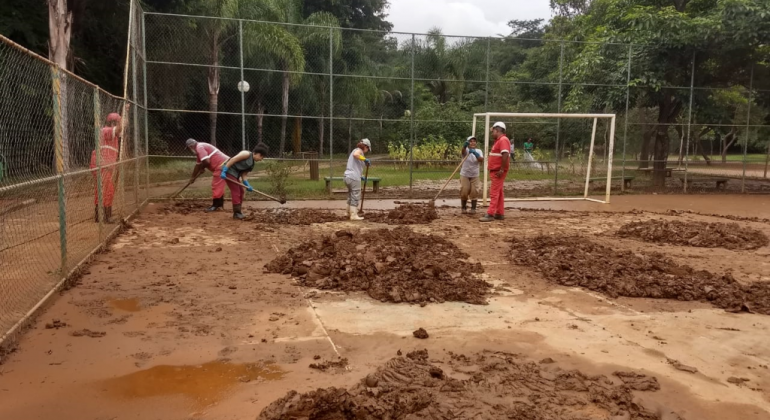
700 234
183 323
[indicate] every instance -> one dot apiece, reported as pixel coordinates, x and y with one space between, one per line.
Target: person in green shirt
529 146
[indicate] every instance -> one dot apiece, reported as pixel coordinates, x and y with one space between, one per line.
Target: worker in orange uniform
498 169
109 146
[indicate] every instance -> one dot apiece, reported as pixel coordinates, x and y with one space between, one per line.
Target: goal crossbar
611 117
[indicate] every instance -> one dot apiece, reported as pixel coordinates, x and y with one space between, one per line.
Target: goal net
584 168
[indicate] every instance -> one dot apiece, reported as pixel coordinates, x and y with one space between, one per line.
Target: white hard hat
499 124
471 138
367 143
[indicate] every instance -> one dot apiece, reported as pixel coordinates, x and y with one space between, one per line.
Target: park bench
721 182
375 183
626 180
668 171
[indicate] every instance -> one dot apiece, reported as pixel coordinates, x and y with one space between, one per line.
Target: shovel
282 200
432 203
363 192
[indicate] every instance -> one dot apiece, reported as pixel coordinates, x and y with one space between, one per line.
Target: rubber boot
96 214
237 212
354 214
216 204
108 215
487 218
499 217
473 206
464 205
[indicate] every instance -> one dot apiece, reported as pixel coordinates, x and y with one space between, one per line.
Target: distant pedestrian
529 146
470 185
109 146
354 175
499 161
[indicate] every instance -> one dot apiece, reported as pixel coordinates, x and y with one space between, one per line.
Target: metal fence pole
331 104
486 88
558 124
135 134
748 128
146 113
59 150
411 120
625 122
99 211
243 93
689 120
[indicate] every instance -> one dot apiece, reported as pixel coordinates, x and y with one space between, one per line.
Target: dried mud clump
500 387
185 207
696 234
297 217
576 261
396 265
404 214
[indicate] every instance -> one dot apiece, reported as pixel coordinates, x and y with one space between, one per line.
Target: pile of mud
494 386
697 234
296 217
404 214
396 265
186 207
576 261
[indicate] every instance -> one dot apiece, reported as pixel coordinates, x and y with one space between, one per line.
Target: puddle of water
127 305
205 384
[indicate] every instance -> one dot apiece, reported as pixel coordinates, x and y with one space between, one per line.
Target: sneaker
487 218
499 217
213 208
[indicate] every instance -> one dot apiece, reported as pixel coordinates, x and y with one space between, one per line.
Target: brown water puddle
205 384
127 305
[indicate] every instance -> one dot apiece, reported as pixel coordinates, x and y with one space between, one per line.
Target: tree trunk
213 80
644 153
60 30
260 120
729 139
682 151
321 122
699 146
350 128
285 110
297 137
668 111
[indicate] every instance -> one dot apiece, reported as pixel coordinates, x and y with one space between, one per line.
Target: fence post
99 212
146 114
748 128
331 105
243 94
135 133
558 124
58 128
411 120
486 87
625 122
689 120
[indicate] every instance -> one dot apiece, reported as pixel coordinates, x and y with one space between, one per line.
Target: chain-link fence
314 91
73 164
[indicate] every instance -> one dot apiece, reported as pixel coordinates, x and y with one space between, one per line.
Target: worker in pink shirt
498 169
209 157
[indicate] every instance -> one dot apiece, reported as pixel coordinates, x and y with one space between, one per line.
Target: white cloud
469 17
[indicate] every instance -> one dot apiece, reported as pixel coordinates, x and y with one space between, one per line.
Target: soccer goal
492 117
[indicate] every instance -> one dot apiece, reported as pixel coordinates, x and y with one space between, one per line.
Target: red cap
113 117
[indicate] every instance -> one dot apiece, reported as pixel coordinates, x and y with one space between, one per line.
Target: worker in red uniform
498 169
109 145
209 157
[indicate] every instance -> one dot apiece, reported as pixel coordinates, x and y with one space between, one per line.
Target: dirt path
183 323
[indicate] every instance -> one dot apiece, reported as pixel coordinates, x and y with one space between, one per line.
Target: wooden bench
375 183
626 180
668 171
721 182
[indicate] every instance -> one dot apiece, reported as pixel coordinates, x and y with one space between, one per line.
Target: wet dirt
576 261
126 305
297 217
698 234
397 265
404 214
329 365
483 385
204 384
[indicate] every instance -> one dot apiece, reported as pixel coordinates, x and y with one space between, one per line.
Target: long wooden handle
253 190
451 176
363 192
186 185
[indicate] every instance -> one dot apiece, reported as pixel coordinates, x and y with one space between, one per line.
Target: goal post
489 116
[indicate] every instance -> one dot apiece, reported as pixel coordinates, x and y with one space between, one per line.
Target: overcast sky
464 17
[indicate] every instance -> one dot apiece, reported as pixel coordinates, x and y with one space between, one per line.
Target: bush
278 177
429 148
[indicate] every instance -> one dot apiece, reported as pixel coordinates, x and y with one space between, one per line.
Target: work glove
367 162
248 186
466 144
223 174
475 153
363 179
